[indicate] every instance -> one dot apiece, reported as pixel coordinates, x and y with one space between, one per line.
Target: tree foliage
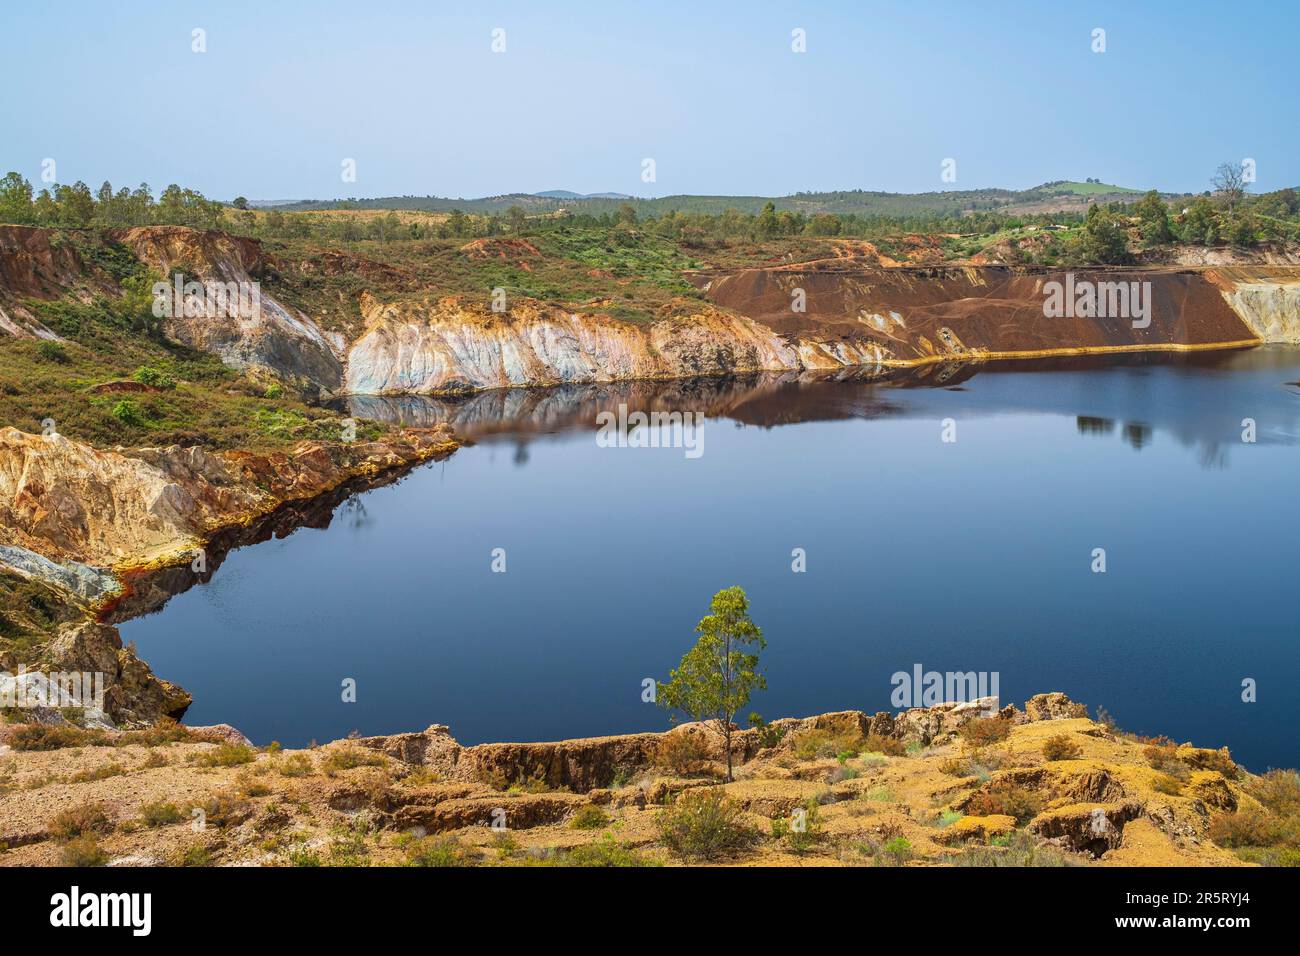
717 676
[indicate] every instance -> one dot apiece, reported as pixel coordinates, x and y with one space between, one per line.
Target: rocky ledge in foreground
940 785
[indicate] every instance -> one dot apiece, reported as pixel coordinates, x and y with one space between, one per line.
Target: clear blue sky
586 90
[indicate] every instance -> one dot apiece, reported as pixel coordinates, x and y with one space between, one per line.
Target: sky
584 92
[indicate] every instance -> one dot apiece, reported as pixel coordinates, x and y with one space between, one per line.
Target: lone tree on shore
718 674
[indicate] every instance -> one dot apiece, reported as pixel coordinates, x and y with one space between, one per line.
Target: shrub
889 746
160 814
681 753
128 412
1250 827
769 735
48 351
1170 786
1005 797
956 767
156 378
1061 747
801 832
897 851
819 742
436 851
301 856
1017 849
46 737
1279 791
1213 760
295 765
1162 754
222 809
704 825
983 731
227 755
82 820
349 757
590 817
605 852
83 851
195 855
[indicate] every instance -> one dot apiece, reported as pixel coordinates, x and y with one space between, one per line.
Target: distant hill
1060 195
566 194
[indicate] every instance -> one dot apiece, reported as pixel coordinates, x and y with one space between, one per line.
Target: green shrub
48 351
227 755
704 825
128 412
897 851
590 817
605 852
82 851
436 851
349 757
295 765
153 377
818 742
160 814
769 735
801 832
195 855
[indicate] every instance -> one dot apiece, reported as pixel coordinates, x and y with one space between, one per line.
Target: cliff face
449 345
1267 300
272 338
65 504
828 314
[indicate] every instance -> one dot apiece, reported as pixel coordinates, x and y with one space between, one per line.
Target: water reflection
1199 399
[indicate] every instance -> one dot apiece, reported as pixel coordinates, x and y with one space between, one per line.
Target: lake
969 555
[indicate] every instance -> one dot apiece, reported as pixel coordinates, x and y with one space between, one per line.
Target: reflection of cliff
1138 395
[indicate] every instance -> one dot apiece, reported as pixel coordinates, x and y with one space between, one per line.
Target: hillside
1066 196
943 785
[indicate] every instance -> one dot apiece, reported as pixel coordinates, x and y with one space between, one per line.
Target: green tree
76 205
767 221
1153 219
1103 238
718 674
15 199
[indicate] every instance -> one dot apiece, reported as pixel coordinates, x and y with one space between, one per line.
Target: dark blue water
966 556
